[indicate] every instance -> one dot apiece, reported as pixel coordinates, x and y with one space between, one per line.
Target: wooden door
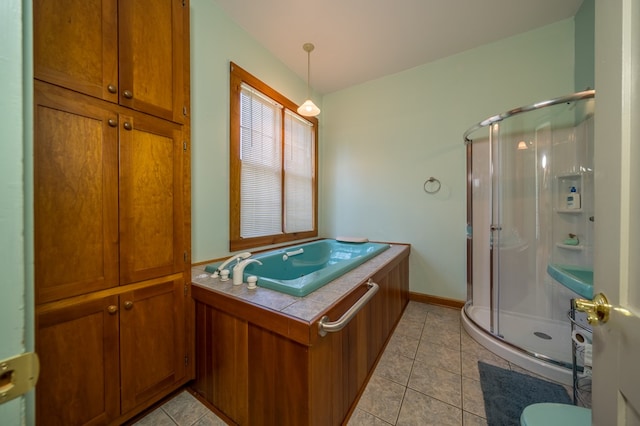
79 363
616 343
75 45
151 52
75 194
151 193
152 340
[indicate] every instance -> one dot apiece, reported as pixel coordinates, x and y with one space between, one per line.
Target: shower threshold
539 363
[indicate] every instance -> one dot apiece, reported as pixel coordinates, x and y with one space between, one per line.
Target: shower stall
530 230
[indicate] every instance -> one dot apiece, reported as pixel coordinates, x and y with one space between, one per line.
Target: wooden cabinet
111 206
75 45
151 197
151 56
130 52
108 195
152 340
108 216
243 350
75 194
78 347
92 347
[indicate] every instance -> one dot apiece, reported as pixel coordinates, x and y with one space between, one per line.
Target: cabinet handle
128 304
112 89
112 309
127 94
127 125
112 122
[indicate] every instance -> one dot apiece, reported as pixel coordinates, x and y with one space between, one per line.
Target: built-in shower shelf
571 175
569 211
570 247
575 278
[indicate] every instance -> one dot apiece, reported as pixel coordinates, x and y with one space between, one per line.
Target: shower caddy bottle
573 199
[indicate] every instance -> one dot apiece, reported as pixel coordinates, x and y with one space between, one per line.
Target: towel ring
432 185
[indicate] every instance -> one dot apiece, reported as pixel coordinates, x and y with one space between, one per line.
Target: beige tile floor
427 375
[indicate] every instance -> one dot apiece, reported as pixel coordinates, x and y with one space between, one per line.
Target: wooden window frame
236 241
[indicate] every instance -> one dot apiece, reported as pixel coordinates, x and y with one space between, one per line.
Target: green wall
585 46
12 255
379 141
215 41
382 140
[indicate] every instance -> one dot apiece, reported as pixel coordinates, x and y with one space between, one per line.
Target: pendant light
308 108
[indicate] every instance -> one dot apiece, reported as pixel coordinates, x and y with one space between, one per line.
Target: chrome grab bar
324 326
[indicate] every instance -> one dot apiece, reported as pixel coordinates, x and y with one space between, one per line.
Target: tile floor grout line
170 417
404 394
198 419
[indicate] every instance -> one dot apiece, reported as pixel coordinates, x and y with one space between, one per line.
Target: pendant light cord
308 73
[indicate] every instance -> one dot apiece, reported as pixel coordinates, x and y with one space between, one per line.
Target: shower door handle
496 228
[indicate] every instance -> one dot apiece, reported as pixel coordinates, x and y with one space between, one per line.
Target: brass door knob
597 310
112 88
112 309
128 304
127 94
112 122
127 125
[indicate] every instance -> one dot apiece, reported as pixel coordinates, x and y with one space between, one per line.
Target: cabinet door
75 45
151 56
75 194
79 365
151 340
151 193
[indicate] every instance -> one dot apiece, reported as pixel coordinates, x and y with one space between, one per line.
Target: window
273 182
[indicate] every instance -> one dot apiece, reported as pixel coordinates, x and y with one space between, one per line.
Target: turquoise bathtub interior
576 278
320 263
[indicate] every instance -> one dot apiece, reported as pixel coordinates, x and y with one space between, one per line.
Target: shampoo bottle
573 199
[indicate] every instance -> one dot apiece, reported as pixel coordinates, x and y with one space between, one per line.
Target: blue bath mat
506 393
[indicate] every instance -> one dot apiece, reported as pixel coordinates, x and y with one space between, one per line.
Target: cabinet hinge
184 148
186 360
186 257
184 110
186 289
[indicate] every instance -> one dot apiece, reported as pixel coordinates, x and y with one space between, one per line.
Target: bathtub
301 269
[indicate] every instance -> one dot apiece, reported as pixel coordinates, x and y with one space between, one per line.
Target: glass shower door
528 315
521 166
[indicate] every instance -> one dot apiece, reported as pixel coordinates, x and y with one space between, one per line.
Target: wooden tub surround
261 361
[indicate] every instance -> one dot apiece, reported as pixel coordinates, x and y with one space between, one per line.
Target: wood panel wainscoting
262 366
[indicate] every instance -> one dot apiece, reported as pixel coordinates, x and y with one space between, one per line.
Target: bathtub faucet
288 254
224 264
238 270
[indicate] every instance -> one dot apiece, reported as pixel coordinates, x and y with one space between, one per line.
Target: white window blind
261 164
299 168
